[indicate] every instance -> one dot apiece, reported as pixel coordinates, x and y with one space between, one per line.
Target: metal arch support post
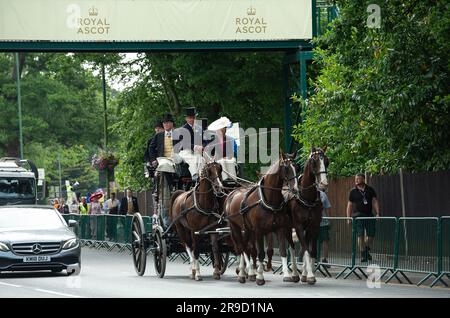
299 81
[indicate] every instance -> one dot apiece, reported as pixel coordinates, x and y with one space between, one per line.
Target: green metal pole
439 245
314 18
105 128
19 103
287 107
105 131
60 181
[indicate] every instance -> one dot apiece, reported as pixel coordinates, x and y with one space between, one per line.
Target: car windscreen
29 218
17 188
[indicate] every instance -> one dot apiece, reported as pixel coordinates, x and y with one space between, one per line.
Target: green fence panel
418 242
418 247
340 246
127 236
383 242
121 225
85 227
147 224
112 221
445 247
443 251
101 226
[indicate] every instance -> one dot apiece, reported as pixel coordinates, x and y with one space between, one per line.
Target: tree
381 98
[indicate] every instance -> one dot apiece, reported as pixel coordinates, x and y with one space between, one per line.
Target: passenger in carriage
223 148
150 172
191 144
162 144
158 127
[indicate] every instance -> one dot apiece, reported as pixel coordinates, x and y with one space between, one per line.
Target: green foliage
62 114
382 96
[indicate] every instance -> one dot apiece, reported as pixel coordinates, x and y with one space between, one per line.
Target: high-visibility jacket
84 210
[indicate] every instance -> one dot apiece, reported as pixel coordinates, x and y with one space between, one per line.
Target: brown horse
255 212
305 208
193 211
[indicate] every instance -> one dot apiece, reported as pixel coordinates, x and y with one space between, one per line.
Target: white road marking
12 285
56 293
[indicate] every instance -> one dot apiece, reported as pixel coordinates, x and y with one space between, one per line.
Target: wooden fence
424 194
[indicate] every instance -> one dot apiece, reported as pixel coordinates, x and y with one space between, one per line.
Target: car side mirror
72 223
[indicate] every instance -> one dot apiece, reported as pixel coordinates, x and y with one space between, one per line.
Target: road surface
111 274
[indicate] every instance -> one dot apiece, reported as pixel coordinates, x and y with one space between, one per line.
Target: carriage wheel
225 259
138 244
160 253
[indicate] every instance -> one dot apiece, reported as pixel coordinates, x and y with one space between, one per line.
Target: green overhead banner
155 20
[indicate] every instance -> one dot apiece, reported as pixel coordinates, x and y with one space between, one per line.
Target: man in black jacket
191 143
162 144
129 204
158 127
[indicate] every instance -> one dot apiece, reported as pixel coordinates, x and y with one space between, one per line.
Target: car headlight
4 247
70 244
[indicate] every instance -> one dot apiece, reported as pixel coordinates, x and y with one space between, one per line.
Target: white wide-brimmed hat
220 123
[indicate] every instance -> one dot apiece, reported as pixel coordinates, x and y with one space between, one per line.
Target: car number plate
36 259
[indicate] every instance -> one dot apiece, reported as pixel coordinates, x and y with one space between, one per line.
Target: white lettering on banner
155 20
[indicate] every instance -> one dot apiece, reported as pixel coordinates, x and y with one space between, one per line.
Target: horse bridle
321 157
286 166
205 174
297 194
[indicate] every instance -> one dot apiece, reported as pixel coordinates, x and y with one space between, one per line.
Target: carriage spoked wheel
160 252
138 244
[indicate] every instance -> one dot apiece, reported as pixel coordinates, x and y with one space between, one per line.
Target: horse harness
303 202
262 201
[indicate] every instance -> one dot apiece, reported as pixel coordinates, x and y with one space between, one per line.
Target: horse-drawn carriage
173 176
237 218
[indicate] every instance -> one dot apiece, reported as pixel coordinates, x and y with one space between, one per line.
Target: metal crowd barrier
444 251
400 246
417 244
340 247
106 230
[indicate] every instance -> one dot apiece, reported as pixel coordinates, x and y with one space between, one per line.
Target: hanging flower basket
104 160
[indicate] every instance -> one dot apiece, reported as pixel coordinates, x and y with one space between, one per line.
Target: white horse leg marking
191 262
250 269
191 256
293 262
308 262
241 273
260 271
197 270
304 270
286 271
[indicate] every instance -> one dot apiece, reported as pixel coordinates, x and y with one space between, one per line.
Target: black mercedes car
37 238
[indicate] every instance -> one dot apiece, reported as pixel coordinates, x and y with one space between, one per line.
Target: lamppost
19 103
105 127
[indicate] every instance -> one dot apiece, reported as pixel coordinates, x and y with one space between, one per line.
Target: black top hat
168 117
191 111
158 124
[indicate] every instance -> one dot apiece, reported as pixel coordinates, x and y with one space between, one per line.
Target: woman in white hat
222 146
